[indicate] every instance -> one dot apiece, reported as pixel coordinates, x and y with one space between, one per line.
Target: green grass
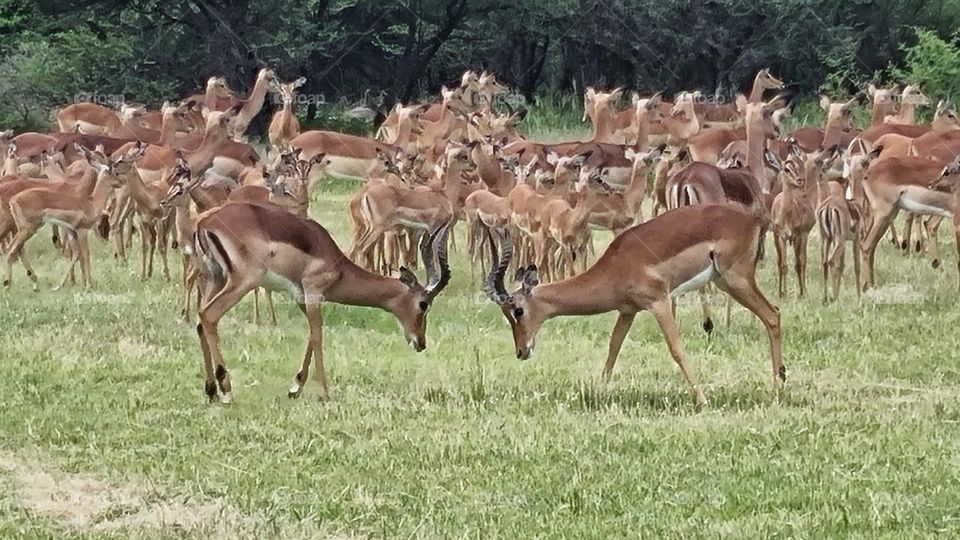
464 440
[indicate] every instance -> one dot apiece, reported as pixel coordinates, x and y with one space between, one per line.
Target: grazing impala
244 246
644 269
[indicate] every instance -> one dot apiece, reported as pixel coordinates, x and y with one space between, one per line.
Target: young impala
644 269
245 246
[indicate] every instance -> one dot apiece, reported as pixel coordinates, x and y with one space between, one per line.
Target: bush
932 62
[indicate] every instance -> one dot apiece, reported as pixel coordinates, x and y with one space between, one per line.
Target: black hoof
903 246
783 373
6 283
936 263
918 247
293 395
708 325
211 390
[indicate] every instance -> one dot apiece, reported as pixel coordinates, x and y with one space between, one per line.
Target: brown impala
244 246
644 269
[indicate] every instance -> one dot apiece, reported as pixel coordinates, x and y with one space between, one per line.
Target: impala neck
101 192
879 112
255 101
908 113
643 132
756 143
633 196
88 182
138 190
832 133
588 293
756 94
168 130
359 287
201 158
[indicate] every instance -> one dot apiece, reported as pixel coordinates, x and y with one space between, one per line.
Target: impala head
768 81
131 112
288 90
219 88
912 95
452 99
470 81
521 308
490 86
643 161
266 75
856 162
946 116
792 173
760 116
839 114
648 109
948 176
523 172
181 182
411 307
884 101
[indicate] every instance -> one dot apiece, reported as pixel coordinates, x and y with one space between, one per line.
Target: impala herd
720 176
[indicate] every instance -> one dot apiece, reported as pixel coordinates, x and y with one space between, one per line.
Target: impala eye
518 312
424 305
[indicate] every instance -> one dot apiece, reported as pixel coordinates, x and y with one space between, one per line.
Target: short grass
464 441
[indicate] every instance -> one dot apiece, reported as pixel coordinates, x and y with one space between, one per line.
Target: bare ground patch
86 502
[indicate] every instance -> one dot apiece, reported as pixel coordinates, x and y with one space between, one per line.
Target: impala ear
871 90
825 103
552 158
299 82
408 278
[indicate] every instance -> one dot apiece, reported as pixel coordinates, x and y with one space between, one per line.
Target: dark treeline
386 50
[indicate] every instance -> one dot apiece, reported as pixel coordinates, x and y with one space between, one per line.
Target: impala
644 269
75 211
284 126
902 183
252 105
244 246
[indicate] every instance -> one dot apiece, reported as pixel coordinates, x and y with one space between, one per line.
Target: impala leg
856 261
301 378
16 253
273 312
163 237
956 234
73 262
742 286
881 221
705 309
210 315
781 248
83 245
907 234
315 318
800 261
932 226
824 262
661 311
150 230
840 263
624 321
256 306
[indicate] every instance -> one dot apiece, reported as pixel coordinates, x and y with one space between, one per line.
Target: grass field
106 431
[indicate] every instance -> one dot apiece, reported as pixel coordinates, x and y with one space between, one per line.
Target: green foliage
43 72
933 62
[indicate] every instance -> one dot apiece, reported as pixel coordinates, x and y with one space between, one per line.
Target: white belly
696 282
910 202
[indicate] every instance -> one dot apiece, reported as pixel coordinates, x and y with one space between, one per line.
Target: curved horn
437 245
493 285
